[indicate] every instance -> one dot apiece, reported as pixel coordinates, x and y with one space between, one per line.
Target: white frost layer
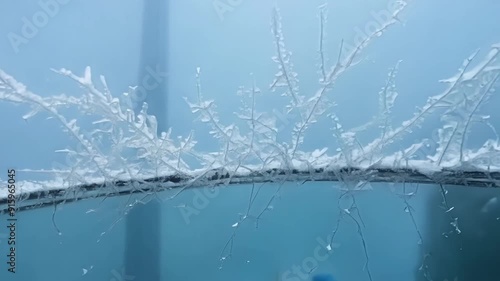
124 145
424 167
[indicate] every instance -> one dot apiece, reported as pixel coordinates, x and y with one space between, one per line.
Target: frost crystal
123 153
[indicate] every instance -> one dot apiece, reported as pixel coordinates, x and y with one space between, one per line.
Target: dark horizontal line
217 177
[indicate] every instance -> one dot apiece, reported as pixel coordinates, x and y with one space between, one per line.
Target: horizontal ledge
217 177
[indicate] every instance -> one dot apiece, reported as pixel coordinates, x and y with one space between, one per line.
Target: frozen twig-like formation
122 153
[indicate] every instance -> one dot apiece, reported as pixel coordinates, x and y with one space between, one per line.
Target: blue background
433 40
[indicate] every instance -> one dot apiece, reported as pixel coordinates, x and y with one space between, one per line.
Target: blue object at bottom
323 277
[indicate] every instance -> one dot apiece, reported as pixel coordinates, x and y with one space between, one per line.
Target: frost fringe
123 147
123 154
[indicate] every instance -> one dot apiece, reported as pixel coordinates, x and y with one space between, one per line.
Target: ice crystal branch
123 154
453 100
124 145
322 22
286 77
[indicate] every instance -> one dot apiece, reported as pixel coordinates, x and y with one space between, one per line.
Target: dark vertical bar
143 223
473 253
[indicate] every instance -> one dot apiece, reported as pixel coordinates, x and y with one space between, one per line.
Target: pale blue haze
432 42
